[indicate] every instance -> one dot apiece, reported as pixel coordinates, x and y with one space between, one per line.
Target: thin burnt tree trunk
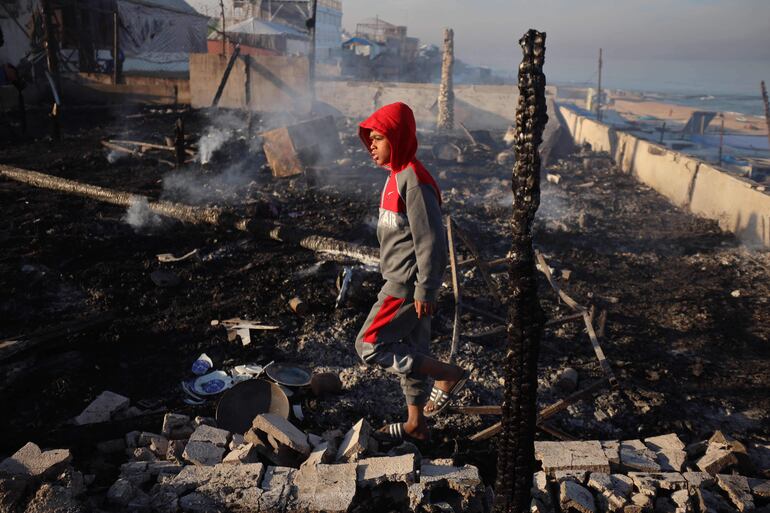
525 317
446 95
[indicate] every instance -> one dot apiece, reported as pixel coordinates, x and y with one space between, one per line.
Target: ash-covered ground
687 331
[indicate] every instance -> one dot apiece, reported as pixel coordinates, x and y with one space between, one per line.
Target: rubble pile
658 474
193 466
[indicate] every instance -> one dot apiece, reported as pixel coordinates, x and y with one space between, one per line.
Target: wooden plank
565 319
455 290
555 432
603 363
563 295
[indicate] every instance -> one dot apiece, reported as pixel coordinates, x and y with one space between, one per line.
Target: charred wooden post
179 142
226 75
446 95
515 460
51 43
767 108
116 64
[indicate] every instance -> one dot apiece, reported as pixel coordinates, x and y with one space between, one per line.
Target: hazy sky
486 31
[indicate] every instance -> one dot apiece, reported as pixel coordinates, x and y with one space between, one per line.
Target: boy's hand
424 308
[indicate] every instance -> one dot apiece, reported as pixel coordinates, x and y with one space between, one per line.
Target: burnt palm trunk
446 95
525 317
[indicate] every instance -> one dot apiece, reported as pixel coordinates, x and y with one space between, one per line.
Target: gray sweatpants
394 339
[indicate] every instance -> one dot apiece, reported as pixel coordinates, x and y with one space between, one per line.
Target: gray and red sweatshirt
413 251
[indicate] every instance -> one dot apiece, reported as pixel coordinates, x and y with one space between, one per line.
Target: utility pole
51 45
311 25
767 108
516 445
599 90
224 36
446 96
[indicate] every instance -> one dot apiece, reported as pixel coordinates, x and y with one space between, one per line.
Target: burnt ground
691 354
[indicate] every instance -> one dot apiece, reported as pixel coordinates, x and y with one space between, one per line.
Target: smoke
140 216
210 142
224 126
113 156
232 186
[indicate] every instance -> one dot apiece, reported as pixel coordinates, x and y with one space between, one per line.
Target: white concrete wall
687 182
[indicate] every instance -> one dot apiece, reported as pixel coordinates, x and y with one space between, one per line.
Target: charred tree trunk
767 107
515 457
446 95
198 215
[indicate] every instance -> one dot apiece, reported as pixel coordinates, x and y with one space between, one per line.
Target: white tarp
146 29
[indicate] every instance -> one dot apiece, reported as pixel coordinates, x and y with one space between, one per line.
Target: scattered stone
283 457
634 455
579 476
759 456
102 408
664 505
204 421
669 450
203 453
681 499
650 483
716 460
212 435
282 431
245 453
197 503
142 454
643 501
32 462
587 455
760 487
696 448
121 492
612 452
235 487
738 489
236 441
165 501
553 178
278 491
176 426
355 443
315 440
328 488
697 479
318 455
574 496
373 471
540 491
614 488
159 468
175 452
135 472
710 502
567 380
441 480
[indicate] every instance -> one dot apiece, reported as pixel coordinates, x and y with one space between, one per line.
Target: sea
718 85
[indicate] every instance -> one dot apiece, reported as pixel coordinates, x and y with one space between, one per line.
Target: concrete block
711 502
236 441
664 505
375 471
176 426
164 501
717 459
121 492
579 476
30 461
318 455
613 488
760 487
355 443
284 457
326 487
669 451
574 496
283 431
245 453
698 479
159 468
175 450
587 455
681 499
136 472
649 483
235 487
142 454
102 408
634 455
54 498
203 453
738 489
439 479
278 490
197 503
212 435
190 478
612 452
132 439
540 491
643 501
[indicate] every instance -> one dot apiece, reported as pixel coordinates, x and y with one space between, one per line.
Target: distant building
382 51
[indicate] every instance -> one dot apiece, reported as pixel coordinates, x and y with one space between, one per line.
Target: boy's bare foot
445 386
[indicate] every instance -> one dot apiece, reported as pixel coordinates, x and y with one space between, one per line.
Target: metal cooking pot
240 404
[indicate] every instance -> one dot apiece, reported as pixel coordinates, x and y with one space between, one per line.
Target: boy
413 257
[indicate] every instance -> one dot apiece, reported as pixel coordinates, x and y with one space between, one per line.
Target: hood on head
396 121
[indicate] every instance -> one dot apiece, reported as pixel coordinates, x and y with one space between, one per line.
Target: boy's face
380 148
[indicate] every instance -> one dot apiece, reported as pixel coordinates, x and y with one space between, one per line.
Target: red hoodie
413 251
